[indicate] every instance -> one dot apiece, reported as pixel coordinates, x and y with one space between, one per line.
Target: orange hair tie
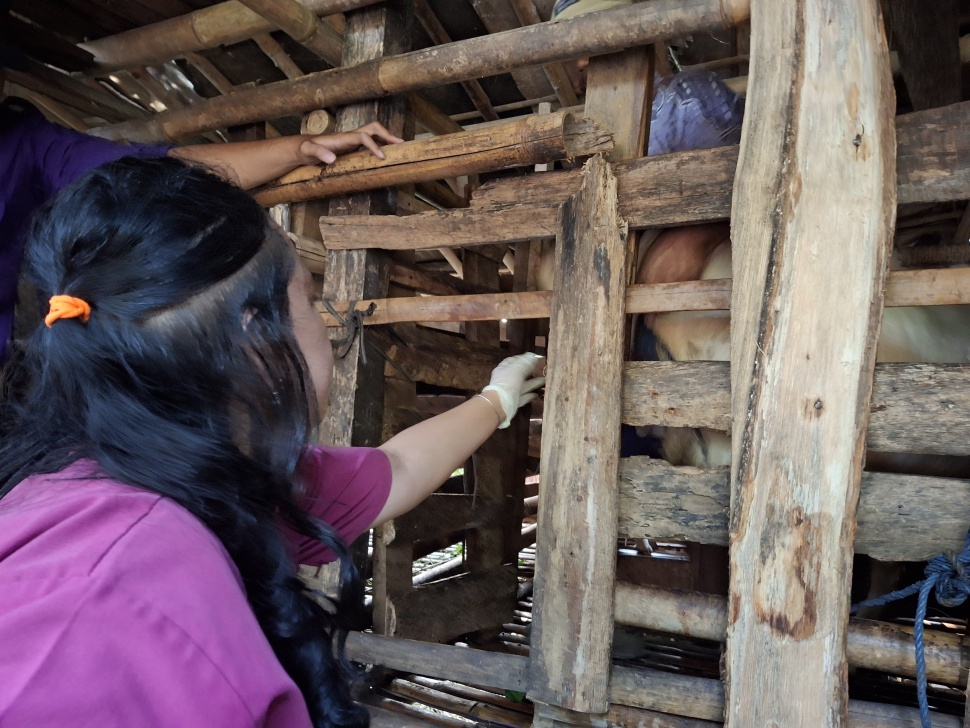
65 307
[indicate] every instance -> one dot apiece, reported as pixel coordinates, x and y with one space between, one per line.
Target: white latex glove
510 381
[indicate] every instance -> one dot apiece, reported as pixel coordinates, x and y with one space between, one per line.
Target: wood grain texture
816 168
576 547
915 408
932 165
871 645
927 38
536 138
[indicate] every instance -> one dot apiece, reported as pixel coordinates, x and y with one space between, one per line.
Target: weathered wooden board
916 408
871 645
812 228
932 165
439 515
446 609
900 518
938 287
576 547
927 38
525 141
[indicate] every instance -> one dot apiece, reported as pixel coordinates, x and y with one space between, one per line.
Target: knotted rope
948 574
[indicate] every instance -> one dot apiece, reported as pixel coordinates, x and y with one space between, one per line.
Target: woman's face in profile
311 333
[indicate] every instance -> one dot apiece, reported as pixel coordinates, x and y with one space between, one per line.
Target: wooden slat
816 168
576 548
870 645
940 287
440 515
901 517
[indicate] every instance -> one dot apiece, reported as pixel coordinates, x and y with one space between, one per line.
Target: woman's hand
512 383
325 147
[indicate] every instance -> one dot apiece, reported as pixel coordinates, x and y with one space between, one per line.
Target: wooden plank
901 517
870 645
576 548
556 74
932 165
594 34
461 664
927 39
816 168
539 138
446 609
941 287
916 408
442 514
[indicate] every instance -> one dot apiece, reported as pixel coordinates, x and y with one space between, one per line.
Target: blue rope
948 574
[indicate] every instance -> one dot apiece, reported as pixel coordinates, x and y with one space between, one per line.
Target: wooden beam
870 645
666 692
221 24
816 168
539 138
576 548
555 73
593 34
901 517
936 287
280 58
916 408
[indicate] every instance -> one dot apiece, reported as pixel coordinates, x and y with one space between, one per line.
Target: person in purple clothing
157 488
40 158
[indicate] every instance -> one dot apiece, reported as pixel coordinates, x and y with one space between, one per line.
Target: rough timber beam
576 548
594 34
816 169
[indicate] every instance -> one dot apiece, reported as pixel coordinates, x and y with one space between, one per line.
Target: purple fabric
694 110
120 609
40 158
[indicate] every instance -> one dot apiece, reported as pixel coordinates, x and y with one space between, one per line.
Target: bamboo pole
222 24
302 25
593 34
871 645
538 138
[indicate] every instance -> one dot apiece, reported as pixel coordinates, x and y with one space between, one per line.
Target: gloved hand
510 381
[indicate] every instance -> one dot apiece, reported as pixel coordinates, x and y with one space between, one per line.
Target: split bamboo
222 24
593 34
871 645
537 138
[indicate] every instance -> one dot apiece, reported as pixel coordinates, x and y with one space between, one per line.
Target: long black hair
186 381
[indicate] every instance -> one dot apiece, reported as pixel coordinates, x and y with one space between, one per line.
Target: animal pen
428 261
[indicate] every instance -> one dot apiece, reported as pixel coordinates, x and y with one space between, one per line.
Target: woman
156 487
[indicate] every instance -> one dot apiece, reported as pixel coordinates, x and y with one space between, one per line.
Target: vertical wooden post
355 411
813 216
356 394
576 554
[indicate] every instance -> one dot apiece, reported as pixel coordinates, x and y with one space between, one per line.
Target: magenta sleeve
346 487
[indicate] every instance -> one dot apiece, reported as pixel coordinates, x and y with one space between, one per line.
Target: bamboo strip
592 34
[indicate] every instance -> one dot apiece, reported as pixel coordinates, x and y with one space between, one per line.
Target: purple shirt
39 159
119 608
